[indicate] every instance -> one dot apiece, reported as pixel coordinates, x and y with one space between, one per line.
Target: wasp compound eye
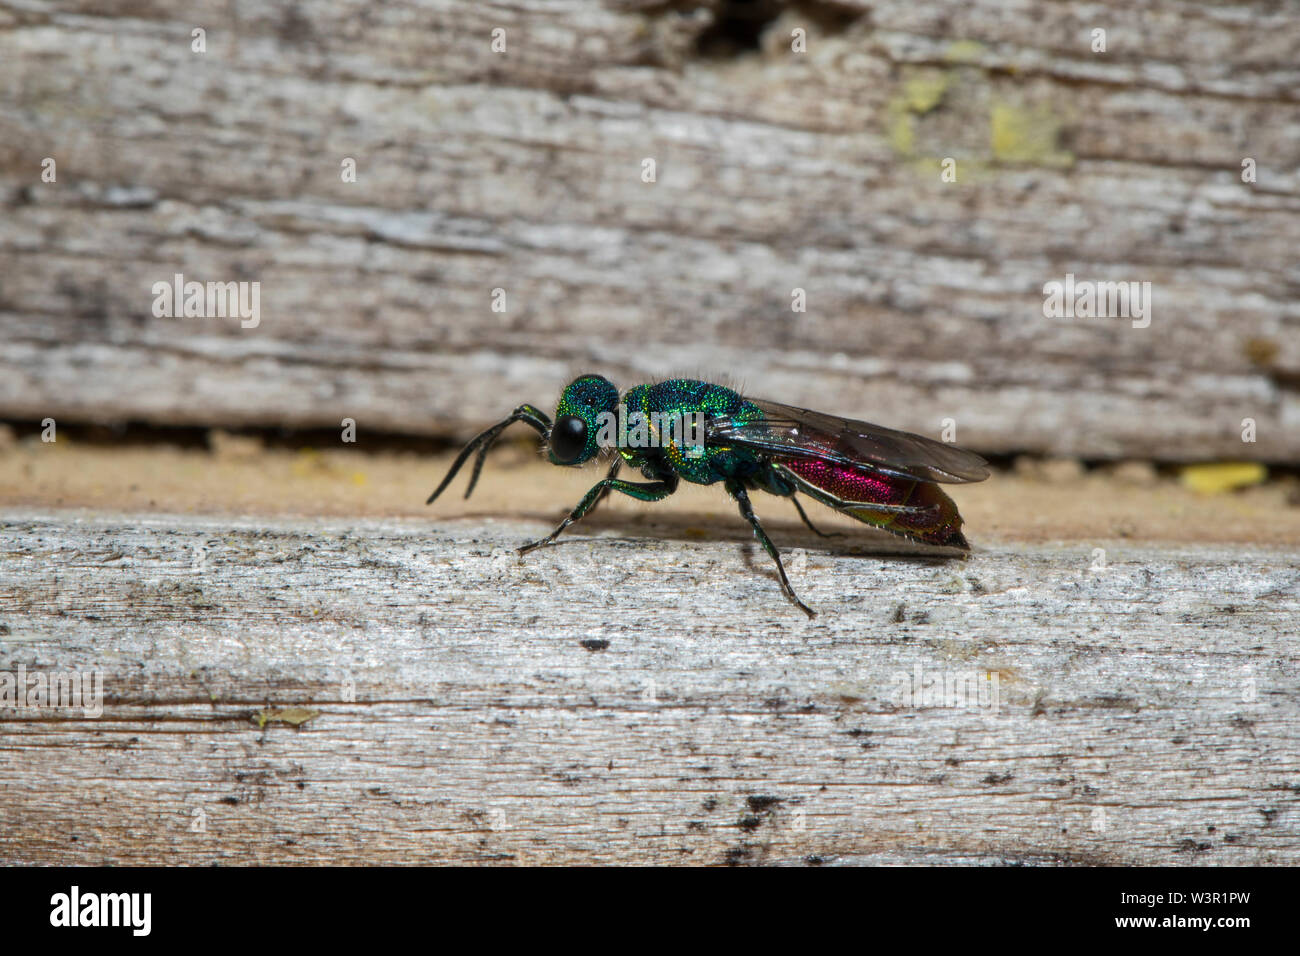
568 438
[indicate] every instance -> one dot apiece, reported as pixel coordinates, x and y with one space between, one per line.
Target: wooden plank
775 171
644 698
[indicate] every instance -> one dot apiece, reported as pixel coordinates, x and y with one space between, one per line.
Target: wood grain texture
645 699
775 170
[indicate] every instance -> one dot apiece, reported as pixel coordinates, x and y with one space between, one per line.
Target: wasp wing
789 432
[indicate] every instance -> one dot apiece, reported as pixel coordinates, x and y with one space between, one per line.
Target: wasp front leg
641 490
613 473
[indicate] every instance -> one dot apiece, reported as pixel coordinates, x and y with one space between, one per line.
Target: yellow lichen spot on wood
294 716
1026 135
902 129
964 51
923 90
1220 477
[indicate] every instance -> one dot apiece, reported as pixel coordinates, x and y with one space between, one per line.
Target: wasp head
578 418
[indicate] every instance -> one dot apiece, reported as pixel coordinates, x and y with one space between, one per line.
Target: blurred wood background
522 171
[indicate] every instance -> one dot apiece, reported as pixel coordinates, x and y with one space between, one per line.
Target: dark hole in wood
738 27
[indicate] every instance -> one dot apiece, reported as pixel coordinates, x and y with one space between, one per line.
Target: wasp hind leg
776 483
812 527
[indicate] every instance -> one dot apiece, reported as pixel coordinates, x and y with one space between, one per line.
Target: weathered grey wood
1147 712
776 170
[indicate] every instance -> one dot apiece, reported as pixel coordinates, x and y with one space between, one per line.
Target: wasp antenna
527 414
456 466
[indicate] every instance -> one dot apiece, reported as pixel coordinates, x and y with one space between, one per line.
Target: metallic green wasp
688 430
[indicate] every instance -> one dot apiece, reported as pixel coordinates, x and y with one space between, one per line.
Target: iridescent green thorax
682 397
